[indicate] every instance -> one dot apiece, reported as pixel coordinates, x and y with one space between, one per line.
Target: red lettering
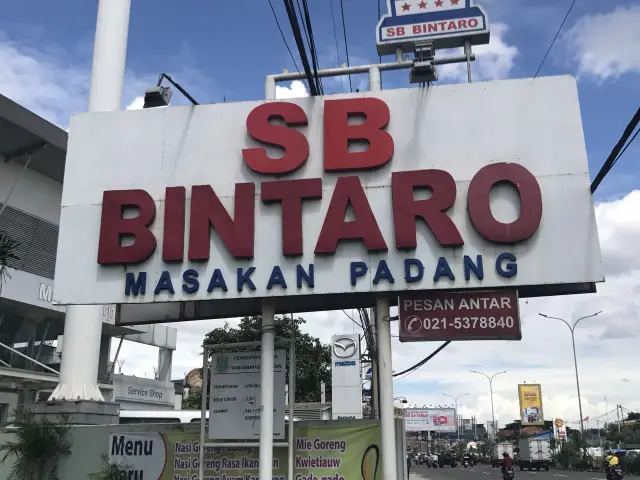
290 194
452 26
349 191
207 211
417 29
473 23
400 31
391 32
433 28
432 210
113 228
173 238
294 143
462 23
338 133
479 206
443 25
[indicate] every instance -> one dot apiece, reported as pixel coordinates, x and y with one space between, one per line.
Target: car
447 459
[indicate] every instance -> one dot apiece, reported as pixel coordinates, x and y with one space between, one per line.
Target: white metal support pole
292 402
266 391
385 377
83 324
375 84
203 410
467 53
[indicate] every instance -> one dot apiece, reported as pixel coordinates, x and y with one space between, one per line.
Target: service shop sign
321 202
465 315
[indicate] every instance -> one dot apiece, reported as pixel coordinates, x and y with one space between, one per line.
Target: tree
37 447
8 252
633 416
313 358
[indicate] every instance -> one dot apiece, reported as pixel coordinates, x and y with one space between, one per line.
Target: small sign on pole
234 403
464 315
446 23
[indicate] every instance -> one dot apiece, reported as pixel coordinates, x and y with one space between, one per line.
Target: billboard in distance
430 419
531 412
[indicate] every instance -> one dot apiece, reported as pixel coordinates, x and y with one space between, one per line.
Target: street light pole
455 400
572 329
493 415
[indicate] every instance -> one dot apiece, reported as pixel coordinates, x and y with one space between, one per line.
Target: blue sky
219 49
224 49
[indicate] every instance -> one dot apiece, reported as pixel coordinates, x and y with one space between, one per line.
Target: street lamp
572 328
493 415
455 399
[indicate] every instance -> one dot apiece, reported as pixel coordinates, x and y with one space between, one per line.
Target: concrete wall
89 442
34 194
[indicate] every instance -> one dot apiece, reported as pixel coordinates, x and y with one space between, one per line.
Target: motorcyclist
506 464
613 466
466 457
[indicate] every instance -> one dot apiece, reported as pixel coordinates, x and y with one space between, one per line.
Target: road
485 472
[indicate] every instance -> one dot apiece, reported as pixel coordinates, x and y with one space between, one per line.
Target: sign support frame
266 443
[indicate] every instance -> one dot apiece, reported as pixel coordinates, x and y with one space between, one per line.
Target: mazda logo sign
344 347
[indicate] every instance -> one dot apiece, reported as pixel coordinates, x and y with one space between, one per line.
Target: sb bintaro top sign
471 186
446 23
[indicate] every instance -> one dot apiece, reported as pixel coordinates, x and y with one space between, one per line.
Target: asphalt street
485 472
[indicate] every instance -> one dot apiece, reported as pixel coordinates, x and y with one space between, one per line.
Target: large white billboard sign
481 185
346 377
235 392
430 419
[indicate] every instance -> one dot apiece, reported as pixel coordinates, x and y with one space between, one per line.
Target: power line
285 41
424 360
351 318
312 47
617 151
297 35
555 38
335 36
346 45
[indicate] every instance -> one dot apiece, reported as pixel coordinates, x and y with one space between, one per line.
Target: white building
32 160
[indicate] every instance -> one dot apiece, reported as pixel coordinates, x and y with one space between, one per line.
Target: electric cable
617 151
285 42
312 47
297 35
351 318
424 360
555 38
335 36
346 45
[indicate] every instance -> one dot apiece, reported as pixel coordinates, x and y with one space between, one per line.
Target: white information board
234 402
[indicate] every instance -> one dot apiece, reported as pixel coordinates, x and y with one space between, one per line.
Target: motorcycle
614 473
465 462
509 474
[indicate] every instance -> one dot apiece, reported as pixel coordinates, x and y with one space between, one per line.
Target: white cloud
297 89
55 87
494 61
607 45
136 104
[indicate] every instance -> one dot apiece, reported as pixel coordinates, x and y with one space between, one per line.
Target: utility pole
456 416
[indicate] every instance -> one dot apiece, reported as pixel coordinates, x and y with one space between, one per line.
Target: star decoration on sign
438 3
422 5
455 2
405 7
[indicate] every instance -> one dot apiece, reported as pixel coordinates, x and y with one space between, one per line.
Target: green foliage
633 416
37 447
8 251
193 401
110 470
313 358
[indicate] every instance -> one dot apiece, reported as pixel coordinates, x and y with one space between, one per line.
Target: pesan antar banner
321 201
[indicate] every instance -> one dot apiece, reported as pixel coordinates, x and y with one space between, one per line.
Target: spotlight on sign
157 97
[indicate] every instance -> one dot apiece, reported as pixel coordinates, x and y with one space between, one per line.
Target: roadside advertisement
337 453
530 396
234 401
560 429
454 316
346 377
430 419
212 212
